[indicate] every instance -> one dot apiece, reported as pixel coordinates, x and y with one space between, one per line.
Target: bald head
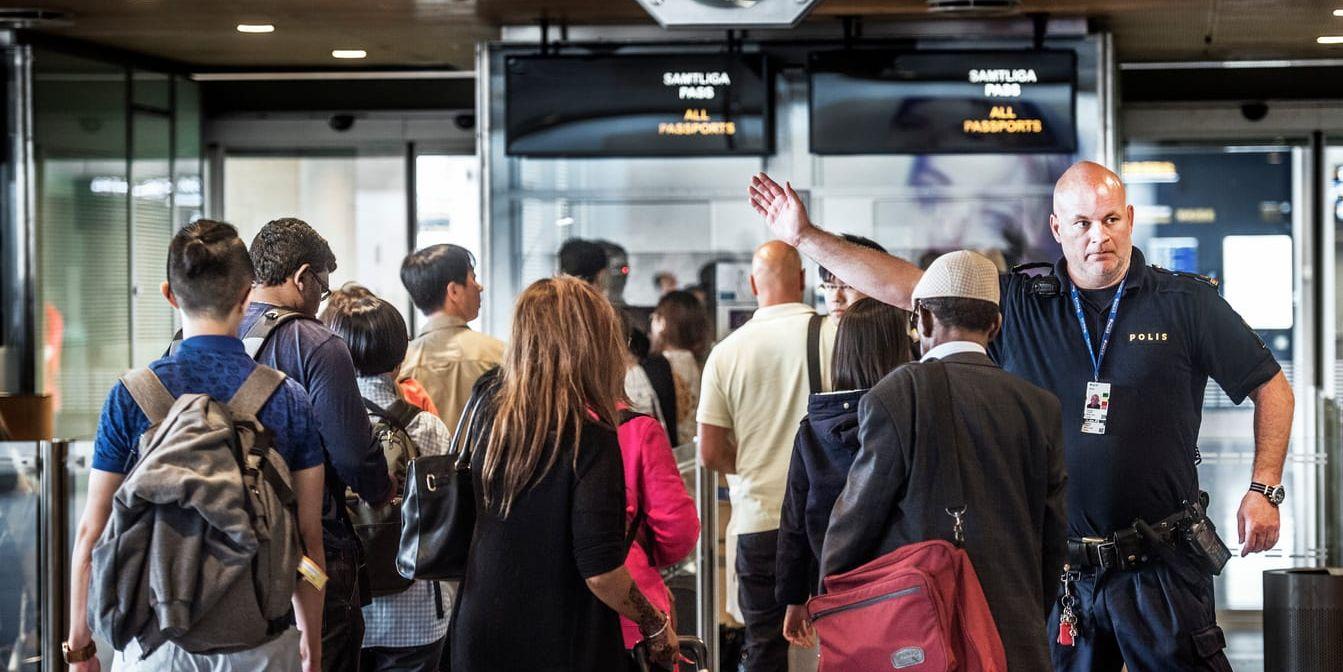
1093 223
1087 181
776 274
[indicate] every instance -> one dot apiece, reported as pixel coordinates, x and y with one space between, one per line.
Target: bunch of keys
1067 618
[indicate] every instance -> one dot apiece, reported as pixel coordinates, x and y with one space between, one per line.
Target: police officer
1143 342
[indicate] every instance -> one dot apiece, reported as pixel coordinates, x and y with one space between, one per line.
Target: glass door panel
1234 214
356 202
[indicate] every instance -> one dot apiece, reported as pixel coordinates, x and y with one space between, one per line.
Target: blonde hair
563 368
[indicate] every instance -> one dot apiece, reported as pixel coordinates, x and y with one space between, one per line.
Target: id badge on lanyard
1096 403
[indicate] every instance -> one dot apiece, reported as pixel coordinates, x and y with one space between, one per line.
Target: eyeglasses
829 287
325 285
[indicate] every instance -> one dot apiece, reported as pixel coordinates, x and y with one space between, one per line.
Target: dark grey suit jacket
1015 527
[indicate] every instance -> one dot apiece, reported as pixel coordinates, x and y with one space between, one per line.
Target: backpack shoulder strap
266 325
814 353
149 394
404 412
400 413
174 344
256 390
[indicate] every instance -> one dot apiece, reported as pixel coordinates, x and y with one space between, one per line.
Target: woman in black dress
545 580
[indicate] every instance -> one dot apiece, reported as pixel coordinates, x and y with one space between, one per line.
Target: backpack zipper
866 603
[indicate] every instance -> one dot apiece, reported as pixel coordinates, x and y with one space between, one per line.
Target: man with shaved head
753 395
1144 340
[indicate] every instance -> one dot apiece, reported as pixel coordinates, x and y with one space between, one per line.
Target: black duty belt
1127 548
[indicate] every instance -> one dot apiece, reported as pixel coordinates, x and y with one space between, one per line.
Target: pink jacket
671 523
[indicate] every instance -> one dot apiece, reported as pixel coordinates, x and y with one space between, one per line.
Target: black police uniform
1171 333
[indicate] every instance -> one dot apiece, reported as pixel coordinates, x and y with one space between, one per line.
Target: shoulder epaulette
1209 281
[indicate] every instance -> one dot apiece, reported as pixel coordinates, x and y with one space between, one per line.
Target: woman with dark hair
873 340
412 390
403 631
681 333
545 580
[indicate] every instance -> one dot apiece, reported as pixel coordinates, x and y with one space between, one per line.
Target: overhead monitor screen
656 105
943 102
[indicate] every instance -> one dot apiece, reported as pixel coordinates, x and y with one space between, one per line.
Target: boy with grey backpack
200 545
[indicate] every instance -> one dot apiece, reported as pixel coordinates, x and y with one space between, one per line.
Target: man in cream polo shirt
753 395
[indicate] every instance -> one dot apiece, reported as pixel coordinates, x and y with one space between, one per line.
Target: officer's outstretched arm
873 272
1257 520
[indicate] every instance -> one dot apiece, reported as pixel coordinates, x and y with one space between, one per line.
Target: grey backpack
202 548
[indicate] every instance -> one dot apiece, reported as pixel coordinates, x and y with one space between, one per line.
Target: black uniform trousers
766 650
1154 618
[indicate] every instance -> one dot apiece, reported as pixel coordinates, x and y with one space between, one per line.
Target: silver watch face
1275 494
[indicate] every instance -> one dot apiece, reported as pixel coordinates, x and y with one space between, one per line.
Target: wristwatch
78 655
1274 493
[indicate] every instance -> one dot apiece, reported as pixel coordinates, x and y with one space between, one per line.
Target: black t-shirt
1172 333
1096 307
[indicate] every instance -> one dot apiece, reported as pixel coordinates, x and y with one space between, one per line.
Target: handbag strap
466 424
951 453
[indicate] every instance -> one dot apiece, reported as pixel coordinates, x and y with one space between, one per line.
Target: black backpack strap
256 390
399 415
261 330
149 394
814 353
951 453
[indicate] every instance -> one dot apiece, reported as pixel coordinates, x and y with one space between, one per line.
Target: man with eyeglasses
838 295
293 276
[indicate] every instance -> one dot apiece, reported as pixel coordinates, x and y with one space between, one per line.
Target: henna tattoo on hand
646 615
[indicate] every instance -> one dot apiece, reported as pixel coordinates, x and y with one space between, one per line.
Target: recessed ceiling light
348 53
1330 39
256 28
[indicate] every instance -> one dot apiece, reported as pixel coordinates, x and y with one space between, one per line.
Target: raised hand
780 206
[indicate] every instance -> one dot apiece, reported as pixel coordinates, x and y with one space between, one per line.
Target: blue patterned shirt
217 366
411 617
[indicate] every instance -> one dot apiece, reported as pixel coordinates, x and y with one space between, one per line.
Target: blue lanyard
1097 358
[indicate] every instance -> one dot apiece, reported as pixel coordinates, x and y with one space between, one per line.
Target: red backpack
919 607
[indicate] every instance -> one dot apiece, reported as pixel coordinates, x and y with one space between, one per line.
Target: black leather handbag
438 514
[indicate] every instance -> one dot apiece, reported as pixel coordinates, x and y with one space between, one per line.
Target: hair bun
195 256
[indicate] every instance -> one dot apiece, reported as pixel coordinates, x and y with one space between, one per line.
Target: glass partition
80 150
1234 214
115 178
20 541
153 320
78 461
188 185
357 202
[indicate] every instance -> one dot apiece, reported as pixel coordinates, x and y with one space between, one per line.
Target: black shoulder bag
438 514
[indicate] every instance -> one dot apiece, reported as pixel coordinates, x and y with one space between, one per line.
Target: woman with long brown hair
545 580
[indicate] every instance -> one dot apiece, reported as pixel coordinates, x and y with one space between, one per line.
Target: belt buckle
1113 545
1099 543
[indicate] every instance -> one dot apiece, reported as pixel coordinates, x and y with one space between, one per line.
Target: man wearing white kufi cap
1003 435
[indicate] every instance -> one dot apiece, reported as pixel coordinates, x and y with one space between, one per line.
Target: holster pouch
1202 540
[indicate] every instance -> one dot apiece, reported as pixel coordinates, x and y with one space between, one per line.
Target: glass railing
20 556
